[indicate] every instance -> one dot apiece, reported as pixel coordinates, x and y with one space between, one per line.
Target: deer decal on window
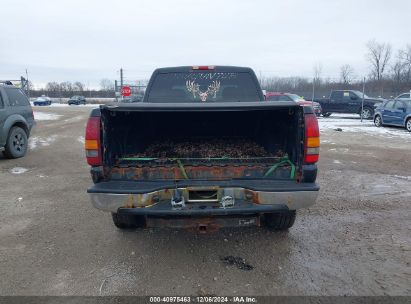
194 88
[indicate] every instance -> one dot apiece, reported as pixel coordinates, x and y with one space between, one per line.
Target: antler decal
194 88
213 88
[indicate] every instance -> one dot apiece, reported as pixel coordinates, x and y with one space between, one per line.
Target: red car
279 96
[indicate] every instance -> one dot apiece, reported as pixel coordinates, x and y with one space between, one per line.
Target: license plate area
203 196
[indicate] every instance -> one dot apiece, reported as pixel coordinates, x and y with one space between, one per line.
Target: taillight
92 142
312 139
203 67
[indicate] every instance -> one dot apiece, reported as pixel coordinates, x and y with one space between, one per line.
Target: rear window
273 98
390 104
404 96
203 87
294 97
403 104
279 98
337 95
17 97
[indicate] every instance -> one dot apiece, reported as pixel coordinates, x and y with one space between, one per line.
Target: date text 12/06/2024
203 299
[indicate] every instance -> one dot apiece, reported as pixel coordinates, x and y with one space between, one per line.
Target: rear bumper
164 209
154 199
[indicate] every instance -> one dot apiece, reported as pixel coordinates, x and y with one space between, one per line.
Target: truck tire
367 113
279 221
16 145
326 114
128 221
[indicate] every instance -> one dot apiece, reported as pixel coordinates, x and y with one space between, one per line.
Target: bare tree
106 84
397 70
346 73
78 86
405 56
318 68
53 86
378 55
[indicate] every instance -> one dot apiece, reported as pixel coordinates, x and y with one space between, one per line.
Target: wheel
128 221
326 114
279 221
16 145
367 113
378 121
408 125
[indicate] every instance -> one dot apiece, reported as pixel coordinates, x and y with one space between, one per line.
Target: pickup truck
203 150
348 101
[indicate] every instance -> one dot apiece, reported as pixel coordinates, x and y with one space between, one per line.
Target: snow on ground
352 123
74 119
81 139
93 105
408 178
45 116
36 141
18 170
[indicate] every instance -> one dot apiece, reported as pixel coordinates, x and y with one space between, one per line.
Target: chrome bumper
292 200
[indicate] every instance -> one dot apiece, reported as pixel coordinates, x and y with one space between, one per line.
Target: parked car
42 101
394 113
403 96
16 121
131 99
278 96
348 101
203 150
77 100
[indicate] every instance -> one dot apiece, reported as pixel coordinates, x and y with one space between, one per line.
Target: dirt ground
355 241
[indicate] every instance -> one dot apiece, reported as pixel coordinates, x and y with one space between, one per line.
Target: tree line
68 89
389 75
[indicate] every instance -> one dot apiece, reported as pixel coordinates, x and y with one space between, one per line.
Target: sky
88 40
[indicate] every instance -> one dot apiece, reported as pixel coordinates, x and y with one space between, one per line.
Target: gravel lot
355 241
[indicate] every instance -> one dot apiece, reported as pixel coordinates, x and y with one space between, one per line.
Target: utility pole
28 84
363 92
121 82
121 78
312 99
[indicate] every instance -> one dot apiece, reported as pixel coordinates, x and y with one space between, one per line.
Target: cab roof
215 68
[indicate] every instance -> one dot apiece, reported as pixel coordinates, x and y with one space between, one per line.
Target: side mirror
354 97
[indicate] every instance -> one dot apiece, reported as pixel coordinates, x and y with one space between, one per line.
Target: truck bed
218 141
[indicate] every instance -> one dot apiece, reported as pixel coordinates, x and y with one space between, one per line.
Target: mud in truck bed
203 164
